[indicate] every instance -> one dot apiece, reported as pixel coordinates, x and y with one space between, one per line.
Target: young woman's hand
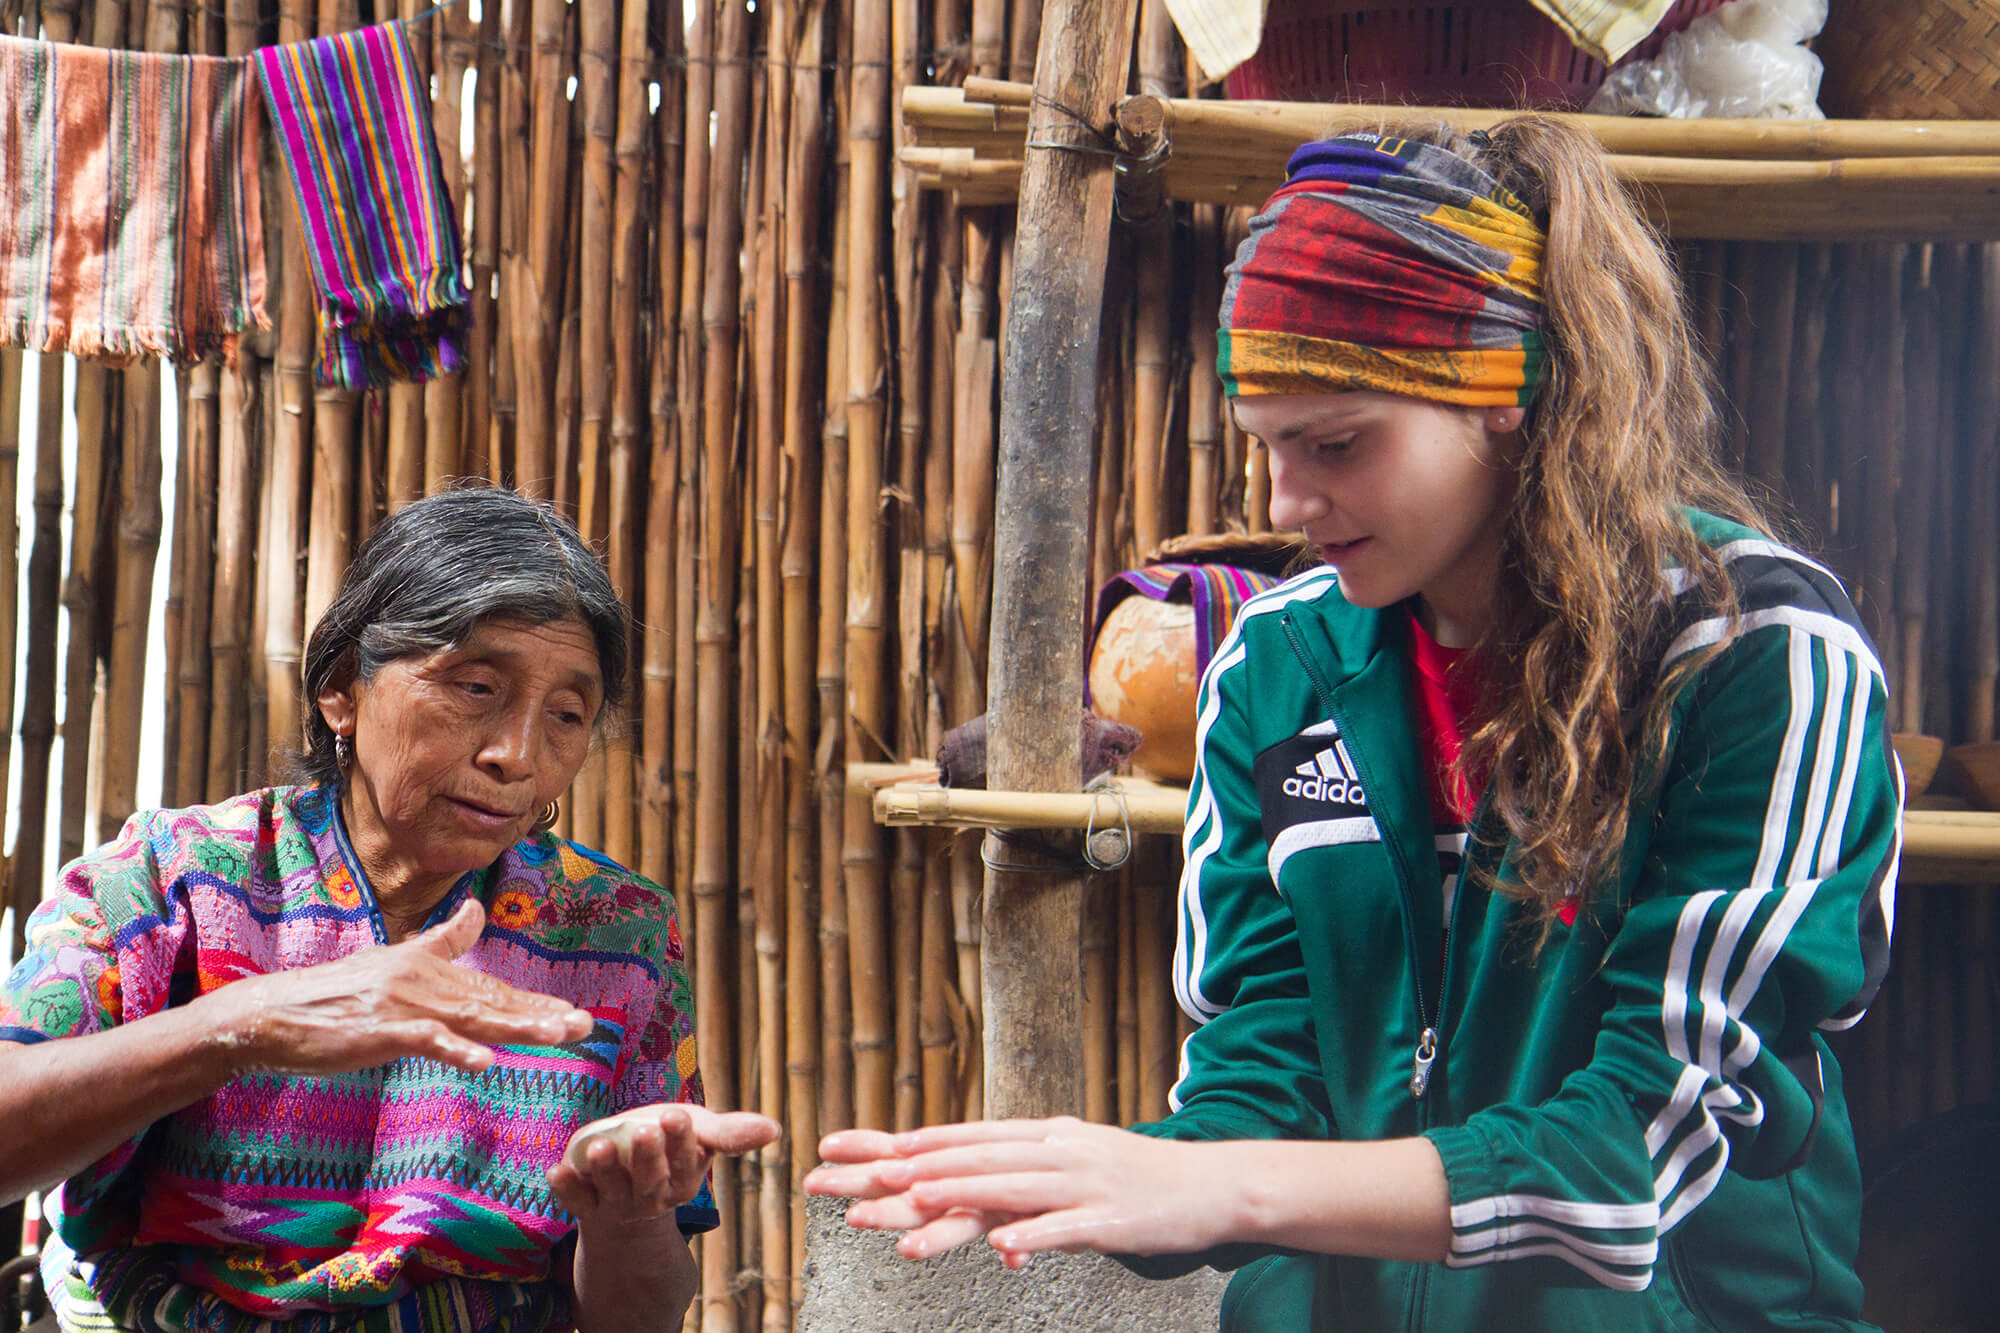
1028 1185
640 1165
382 1004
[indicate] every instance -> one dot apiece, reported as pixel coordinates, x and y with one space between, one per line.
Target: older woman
316 1057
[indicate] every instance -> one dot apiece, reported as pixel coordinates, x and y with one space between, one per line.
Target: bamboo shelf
1752 180
1939 846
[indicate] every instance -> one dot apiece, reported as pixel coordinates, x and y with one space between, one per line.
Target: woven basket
1495 53
1912 59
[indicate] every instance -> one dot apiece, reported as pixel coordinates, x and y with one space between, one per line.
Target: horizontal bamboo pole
1254 125
1939 846
1849 199
1144 807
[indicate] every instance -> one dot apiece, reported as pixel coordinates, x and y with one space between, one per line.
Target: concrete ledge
856 1283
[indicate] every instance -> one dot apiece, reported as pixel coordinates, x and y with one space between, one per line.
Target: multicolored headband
1389 265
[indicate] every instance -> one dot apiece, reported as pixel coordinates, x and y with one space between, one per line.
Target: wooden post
1048 400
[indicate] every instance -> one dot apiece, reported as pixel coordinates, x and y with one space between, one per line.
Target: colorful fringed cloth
1387 265
131 222
353 117
1216 592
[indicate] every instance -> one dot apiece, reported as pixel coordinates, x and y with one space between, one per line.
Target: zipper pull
1420 1068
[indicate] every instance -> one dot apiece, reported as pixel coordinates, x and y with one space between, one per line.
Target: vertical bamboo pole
1205 406
937 1033
716 603
445 396
540 307
340 504
195 555
173 607
138 539
13 372
290 442
700 89
910 245
1982 533
867 542
38 703
836 996
664 572
1154 944
1805 436
509 58
773 884
408 446
1916 501
98 443
1127 1019
235 541
1099 1005
567 405
1033 905
622 835
484 250
799 517
1775 281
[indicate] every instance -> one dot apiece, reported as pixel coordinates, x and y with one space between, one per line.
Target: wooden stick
195 543
1916 496
38 703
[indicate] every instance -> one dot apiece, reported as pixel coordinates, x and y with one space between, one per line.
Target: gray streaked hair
433 572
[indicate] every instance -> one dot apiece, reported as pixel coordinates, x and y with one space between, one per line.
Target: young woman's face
1404 497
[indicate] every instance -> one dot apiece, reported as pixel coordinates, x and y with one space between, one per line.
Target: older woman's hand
382 1004
644 1163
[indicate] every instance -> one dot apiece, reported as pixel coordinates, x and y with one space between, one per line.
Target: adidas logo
1328 776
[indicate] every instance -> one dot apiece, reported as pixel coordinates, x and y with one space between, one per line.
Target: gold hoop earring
343 753
550 814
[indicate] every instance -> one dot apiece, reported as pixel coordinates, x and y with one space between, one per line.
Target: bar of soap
617 1129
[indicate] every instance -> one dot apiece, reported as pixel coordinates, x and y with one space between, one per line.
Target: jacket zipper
1426 1051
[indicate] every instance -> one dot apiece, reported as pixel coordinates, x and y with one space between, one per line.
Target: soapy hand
1028 1186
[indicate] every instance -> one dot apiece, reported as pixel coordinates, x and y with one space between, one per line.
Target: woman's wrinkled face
1404 497
457 753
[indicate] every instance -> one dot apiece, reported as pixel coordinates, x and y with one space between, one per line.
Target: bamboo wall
717 325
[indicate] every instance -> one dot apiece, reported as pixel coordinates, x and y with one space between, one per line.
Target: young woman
1537 835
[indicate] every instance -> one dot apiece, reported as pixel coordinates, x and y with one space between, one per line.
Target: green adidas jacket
1643 1130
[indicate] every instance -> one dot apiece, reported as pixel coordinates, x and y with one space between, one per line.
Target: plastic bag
1743 59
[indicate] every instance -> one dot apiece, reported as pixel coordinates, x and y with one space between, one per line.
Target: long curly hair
1622 436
